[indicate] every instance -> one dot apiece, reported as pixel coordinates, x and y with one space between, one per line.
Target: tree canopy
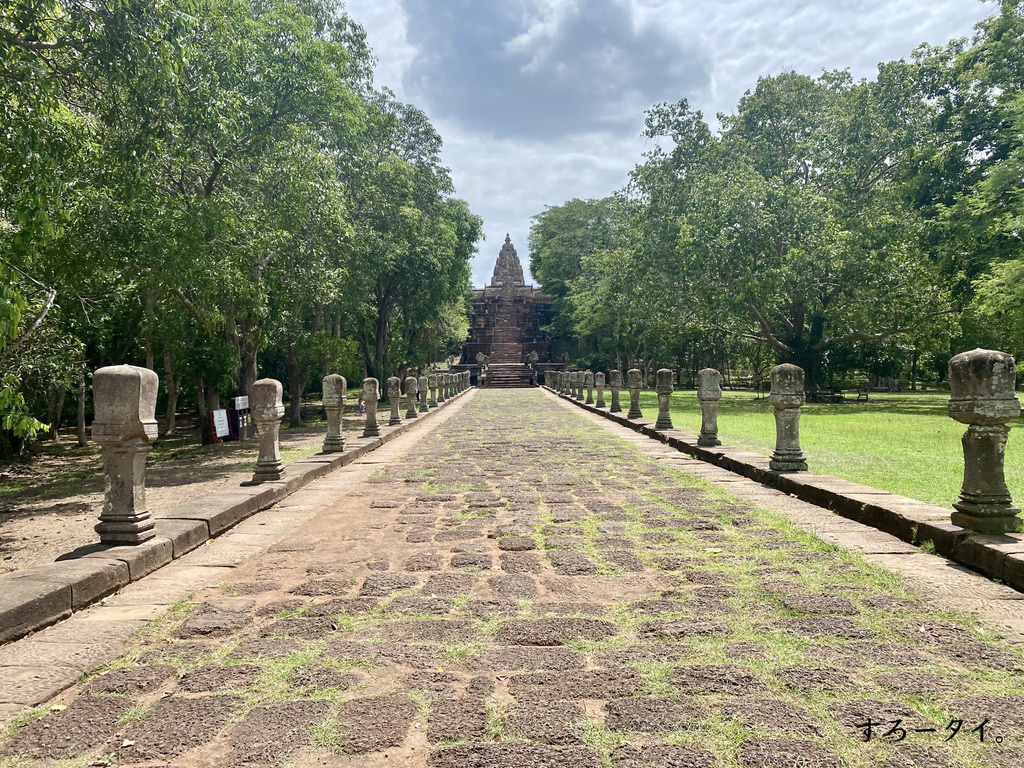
213 189
828 221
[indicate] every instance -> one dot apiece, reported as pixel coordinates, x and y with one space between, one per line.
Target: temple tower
505 330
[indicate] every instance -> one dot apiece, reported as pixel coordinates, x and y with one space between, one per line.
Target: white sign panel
241 403
220 423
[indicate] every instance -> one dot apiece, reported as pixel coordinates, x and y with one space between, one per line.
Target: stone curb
36 597
995 556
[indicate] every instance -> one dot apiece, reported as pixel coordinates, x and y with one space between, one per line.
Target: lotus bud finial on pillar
125 429
411 397
267 407
787 398
634 378
709 392
615 383
371 394
663 386
334 393
395 400
982 396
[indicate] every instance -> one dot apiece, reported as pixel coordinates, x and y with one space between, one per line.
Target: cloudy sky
540 101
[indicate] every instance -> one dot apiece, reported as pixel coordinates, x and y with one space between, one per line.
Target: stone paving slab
425 616
36 668
915 522
37 597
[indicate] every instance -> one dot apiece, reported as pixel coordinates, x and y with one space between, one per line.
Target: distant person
362 407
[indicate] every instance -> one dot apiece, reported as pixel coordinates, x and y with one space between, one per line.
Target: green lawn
903 443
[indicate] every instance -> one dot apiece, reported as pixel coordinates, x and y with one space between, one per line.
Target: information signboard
220 423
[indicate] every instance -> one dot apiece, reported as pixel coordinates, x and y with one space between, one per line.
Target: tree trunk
204 414
173 382
913 371
150 312
296 383
82 439
55 407
250 360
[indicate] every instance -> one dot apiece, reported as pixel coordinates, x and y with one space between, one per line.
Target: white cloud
517 144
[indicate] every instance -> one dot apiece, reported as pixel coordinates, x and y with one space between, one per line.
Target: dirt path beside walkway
62 496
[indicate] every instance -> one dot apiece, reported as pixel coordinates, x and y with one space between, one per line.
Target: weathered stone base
333 444
987 518
268 472
787 465
135 530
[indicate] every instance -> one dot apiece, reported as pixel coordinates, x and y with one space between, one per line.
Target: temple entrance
506 347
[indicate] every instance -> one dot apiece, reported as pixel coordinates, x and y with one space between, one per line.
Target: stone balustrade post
709 392
424 384
395 400
599 383
982 396
125 428
441 386
588 381
574 384
411 397
267 406
371 394
580 378
615 382
663 386
787 398
432 384
334 393
634 379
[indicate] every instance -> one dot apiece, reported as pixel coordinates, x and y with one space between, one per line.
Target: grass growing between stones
712 561
903 443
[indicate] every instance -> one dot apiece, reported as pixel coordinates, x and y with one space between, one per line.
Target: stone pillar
709 392
981 395
599 383
424 384
634 378
441 387
411 397
334 391
395 400
615 382
267 407
787 398
125 428
664 389
574 379
371 394
432 384
588 381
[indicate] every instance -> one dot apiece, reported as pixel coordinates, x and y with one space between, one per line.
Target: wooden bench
825 395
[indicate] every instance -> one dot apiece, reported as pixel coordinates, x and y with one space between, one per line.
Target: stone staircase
508 375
